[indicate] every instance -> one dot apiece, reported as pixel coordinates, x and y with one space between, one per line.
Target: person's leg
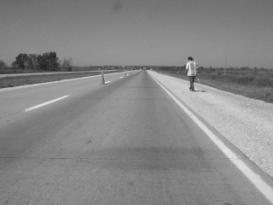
193 79
191 82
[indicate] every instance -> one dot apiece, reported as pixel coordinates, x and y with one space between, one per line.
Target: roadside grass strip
46 83
252 176
51 82
45 103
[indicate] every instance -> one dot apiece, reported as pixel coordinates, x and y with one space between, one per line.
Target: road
123 143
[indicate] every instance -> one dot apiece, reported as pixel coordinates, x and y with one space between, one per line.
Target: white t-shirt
191 68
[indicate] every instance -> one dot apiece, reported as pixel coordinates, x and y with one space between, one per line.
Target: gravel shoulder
245 122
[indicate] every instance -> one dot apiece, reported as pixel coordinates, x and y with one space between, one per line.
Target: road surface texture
123 143
14 100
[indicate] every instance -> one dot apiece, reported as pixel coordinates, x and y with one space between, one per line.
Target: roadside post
125 71
102 77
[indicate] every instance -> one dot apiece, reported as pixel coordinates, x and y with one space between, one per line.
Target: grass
253 83
252 91
26 80
246 76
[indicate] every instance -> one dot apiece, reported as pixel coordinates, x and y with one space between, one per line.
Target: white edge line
45 103
253 177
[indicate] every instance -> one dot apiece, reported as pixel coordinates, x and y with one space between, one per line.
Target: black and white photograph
136 102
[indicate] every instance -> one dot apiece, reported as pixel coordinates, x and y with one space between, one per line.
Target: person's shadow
200 90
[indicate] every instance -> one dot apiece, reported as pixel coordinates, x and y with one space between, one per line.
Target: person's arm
197 76
187 67
196 68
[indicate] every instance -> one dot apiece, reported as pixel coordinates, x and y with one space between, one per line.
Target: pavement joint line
252 176
45 103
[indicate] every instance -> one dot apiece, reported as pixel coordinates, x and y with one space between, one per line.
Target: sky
140 32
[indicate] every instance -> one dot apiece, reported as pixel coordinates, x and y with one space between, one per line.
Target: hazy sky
137 32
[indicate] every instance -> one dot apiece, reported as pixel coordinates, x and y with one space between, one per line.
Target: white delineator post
102 78
125 72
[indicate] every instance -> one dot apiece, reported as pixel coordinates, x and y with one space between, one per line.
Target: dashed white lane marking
252 176
107 82
45 103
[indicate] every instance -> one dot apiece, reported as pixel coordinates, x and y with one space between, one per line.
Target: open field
33 79
11 70
243 76
253 83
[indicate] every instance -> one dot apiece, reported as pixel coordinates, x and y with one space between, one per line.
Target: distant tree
48 61
33 62
41 62
26 62
21 61
3 65
52 61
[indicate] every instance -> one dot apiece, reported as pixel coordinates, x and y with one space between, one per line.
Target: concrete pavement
16 99
124 143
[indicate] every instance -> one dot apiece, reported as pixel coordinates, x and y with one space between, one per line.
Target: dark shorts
192 79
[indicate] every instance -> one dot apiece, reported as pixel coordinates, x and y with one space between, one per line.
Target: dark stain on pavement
89 141
150 158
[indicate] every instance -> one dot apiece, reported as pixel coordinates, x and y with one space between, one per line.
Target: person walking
191 68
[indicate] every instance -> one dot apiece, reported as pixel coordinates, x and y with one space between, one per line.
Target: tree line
48 61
